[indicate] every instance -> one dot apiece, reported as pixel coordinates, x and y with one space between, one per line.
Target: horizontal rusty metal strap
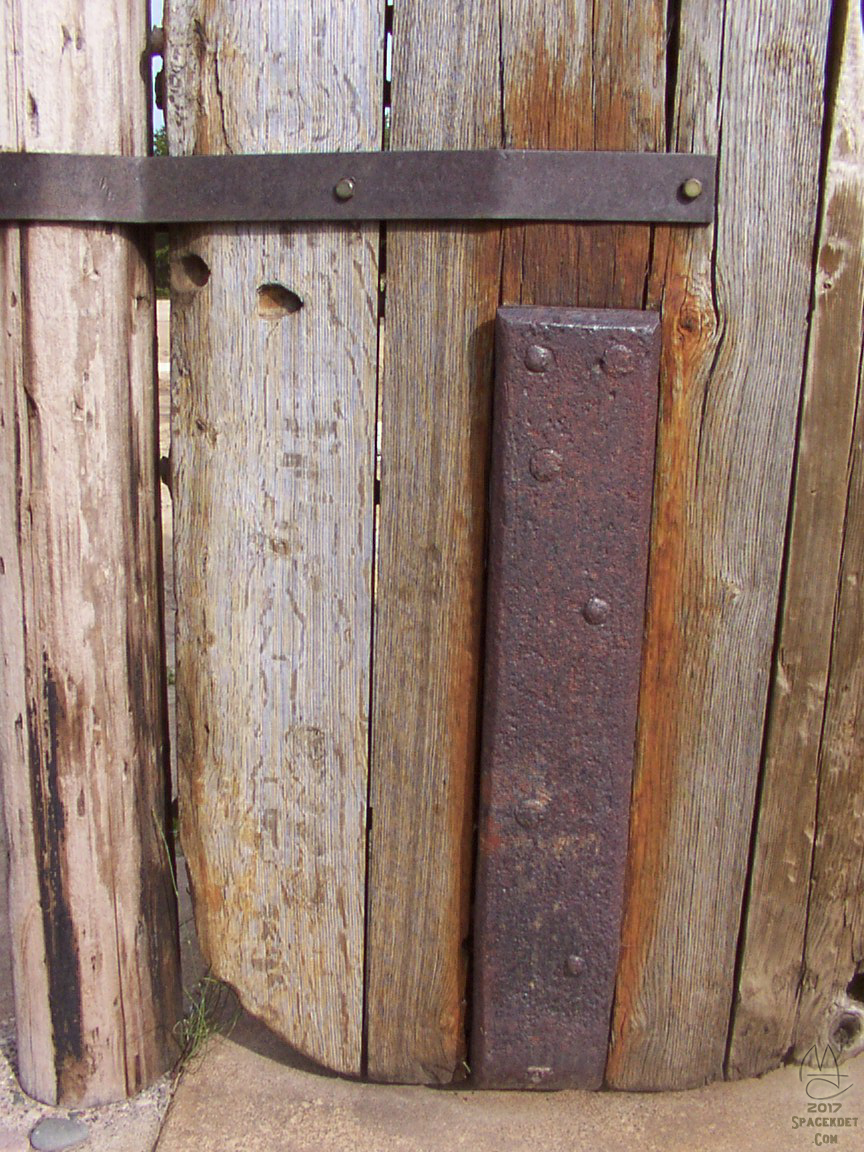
671 188
572 468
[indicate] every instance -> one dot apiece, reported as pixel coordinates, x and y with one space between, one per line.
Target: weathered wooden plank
274 451
435 426
92 909
577 76
442 291
830 1008
796 869
749 85
834 951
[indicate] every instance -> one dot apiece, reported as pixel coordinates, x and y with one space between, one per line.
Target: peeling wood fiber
749 85
274 343
82 727
802 940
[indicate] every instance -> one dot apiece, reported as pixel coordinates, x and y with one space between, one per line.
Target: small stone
56 1134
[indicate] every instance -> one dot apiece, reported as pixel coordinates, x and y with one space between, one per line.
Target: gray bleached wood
735 304
273 425
803 938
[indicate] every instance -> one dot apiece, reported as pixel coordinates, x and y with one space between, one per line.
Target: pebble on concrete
56 1134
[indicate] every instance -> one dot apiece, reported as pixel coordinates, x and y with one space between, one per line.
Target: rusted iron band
572 468
672 188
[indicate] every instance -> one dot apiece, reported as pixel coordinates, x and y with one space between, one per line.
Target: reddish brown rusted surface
572 467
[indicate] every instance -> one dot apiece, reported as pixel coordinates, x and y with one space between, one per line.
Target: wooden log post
442 291
520 75
803 935
82 733
274 360
746 82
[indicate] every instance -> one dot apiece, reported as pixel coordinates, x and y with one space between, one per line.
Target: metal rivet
691 189
344 190
530 813
575 965
538 358
596 611
545 464
618 360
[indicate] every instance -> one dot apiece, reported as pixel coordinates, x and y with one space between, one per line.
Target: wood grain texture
735 306
273 425
83 756
577 76
806 882
442 291
450 74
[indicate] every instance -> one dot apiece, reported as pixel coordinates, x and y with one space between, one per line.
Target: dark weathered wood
735 305
92 909
442 291
273 419
801 945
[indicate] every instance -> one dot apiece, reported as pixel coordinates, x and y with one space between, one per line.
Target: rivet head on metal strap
596 611
691 189
538 358
344 190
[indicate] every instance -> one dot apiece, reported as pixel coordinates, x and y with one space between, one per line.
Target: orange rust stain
590 91
687 330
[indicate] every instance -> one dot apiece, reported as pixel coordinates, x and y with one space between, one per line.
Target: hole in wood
189 272
855 988
846 1030
276 301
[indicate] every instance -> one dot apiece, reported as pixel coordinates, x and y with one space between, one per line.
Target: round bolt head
618 360
530 813
344 190
538 358
596 611
691 189
575 965
545 464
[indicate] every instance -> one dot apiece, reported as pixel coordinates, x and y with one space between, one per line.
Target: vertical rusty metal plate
572 470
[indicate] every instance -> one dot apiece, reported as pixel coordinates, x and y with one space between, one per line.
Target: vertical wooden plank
540 59
799 872
749 85
442 291
92 908
834 950
273 424
581 76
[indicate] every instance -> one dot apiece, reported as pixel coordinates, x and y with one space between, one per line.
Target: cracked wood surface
804 939
442 291
82 729
443 287
276 832
735 310
273 426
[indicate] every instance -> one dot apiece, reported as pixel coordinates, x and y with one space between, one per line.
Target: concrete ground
251 1094
248 1092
